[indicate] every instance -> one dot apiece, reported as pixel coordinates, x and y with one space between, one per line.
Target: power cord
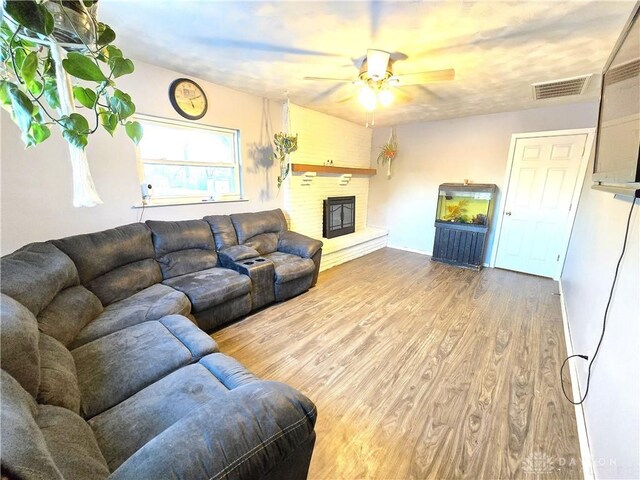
141 213
604 320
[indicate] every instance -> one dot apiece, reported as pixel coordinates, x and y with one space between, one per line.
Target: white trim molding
581 424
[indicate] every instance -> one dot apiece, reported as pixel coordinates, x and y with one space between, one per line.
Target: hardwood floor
421 370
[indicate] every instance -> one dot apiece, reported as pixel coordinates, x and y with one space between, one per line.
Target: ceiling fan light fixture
385 97
367 98
377 62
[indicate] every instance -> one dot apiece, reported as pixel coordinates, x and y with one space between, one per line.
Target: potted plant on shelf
55 57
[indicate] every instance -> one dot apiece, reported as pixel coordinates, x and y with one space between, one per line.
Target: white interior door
536 212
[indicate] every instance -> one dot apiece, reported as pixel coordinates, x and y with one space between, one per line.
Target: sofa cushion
34 274
58 378
68 313
290 267
19 336
211 287
223 231
116 263
71 444
249 225
128 426
297 244
24 451
183 247
151 303
112 368
258 426
264 243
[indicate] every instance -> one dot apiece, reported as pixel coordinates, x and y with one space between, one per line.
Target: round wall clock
188 98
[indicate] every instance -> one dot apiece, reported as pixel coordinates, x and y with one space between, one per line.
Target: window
189 162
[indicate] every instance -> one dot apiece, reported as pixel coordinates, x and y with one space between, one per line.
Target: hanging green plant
388 152
56 57
284 145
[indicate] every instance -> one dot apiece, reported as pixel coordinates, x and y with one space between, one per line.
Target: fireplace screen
339 216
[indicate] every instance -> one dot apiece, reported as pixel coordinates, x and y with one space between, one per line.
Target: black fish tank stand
462 222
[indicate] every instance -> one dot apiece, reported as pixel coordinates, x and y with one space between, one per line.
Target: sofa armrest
297 244
244 433
237 253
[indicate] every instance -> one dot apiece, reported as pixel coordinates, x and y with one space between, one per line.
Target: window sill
174 203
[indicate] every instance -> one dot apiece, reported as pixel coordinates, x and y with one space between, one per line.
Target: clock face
188 98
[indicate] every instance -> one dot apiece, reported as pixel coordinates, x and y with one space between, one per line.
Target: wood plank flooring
421 370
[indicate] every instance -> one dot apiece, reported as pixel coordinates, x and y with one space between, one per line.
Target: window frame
192 199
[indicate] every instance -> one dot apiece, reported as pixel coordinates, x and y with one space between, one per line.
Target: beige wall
612 409
450 151
36 183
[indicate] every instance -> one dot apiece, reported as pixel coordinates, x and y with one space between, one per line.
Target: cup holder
248 263
260 259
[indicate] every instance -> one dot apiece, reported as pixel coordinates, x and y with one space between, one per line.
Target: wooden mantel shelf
306 167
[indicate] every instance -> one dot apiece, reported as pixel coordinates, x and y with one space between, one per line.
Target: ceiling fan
379 85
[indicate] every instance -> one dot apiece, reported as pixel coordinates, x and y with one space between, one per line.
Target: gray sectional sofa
106 369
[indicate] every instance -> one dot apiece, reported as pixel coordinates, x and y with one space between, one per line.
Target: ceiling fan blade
327 79
327 93
401 97
427 91
426 77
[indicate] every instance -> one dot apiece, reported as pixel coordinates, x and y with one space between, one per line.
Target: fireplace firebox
339 216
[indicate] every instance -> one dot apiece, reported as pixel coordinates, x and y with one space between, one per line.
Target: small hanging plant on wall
284 145
388 152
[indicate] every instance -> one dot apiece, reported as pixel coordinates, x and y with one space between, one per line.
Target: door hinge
558 258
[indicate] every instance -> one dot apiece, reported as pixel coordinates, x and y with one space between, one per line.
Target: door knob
507 213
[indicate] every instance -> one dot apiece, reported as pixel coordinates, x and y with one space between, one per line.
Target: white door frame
584 161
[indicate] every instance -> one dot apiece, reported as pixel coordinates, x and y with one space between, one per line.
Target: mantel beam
306 167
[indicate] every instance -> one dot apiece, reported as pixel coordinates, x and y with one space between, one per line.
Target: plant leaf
85 96
134 131
5 97
74 138
51 93
35 87
109 121
18 56
29 67
106 35
121 104
75 122
121 66
21 107
113 52
39 132
82 67
31 15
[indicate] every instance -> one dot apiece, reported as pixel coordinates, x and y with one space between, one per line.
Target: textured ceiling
266 48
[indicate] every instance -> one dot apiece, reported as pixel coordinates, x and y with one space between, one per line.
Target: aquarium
465 204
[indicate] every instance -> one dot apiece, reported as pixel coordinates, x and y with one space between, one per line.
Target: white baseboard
583 437
412 250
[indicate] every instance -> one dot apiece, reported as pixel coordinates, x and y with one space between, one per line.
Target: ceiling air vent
622 72
560 88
